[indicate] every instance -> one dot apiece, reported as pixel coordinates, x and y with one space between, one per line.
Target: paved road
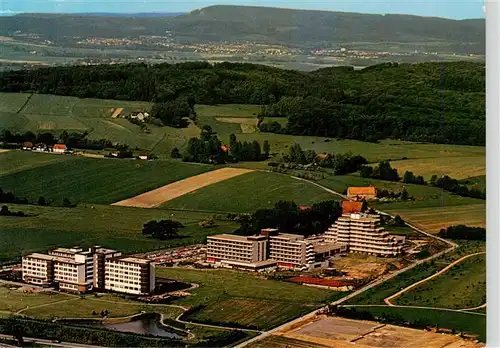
50 343
310 315
437 274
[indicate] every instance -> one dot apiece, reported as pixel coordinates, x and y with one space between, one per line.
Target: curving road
311 315
437 274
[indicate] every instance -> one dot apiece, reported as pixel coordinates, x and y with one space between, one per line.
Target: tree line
208 148
9 197
400 101
340 163
287 217
462 232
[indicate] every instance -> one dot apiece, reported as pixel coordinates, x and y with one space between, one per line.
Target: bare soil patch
339 332
116 112
166 193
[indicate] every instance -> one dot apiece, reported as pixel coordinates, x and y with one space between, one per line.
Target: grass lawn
460 321
455 167
47 104
12 102
463 286
250 192
17 161
83 307
114 227
246 298
376 295
93 180
228 110
12 299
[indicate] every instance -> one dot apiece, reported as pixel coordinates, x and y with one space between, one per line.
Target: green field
17 161
463 286
12 102
228 110
82 307
114 227
12 298
93 180
432 208
246 298
250 192
455 167
460 321
376 295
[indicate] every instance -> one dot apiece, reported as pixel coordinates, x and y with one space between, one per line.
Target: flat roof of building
61 259
259 264
289 236
230 237
326 247
132 260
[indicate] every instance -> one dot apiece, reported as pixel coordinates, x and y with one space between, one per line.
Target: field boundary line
25 103
388 300
417 307
313 314
45 305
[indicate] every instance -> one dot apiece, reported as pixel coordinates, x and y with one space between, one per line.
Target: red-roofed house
59 148
360 193
349 207
224 148
305 207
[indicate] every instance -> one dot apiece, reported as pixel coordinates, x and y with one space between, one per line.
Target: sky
455 9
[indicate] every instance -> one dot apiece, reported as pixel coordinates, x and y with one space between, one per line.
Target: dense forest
429 102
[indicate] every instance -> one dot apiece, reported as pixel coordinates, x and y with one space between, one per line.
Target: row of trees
9 197
340 163
400 101
462 232
72 140
453 185
209 149
287 217
5 211
383 171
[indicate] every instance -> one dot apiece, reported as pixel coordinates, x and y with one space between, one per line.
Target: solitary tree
175 153
66 202
163 229
41 201
266 148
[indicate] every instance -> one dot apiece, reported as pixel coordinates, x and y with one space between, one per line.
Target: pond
145 326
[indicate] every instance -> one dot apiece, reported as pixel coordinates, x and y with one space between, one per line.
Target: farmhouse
78 270
27 145
59 148
143 156
362 233
360 193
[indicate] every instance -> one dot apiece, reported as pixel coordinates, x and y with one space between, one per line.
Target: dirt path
419 307
399 293
179 188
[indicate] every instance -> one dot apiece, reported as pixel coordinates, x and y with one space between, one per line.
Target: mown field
460 321
245 298
250 192
461 287
114 227
92 180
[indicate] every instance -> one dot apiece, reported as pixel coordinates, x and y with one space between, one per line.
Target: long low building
266 250
78 270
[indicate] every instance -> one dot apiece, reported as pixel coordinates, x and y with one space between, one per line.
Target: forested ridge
431 102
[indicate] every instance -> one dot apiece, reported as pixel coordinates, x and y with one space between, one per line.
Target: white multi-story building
291 250
78 270
130 275
363 233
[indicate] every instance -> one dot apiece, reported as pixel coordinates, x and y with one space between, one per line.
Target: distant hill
133 15
296 28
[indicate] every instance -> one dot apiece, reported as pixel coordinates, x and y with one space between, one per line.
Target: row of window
119 286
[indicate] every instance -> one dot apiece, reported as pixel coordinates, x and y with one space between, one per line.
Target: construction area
327 331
